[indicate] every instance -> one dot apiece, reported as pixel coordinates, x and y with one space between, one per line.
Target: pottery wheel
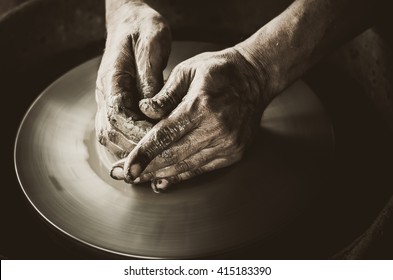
64 173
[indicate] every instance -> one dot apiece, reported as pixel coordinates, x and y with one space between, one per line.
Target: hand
214 103
137 50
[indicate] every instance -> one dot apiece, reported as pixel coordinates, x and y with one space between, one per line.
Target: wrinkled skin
137 50
213 107
212 103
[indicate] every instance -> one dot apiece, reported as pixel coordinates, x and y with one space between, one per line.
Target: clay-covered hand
213 104
136 52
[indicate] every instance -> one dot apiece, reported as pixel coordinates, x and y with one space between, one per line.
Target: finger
111 138
151 56
168 98
120 140
117 75
159 138
117 171
116 150
132 129
161 184
196 140
103 139
116 106
122 99
194 161
101 126
119 148
182 149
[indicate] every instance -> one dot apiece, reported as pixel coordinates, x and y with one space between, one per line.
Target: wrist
264 70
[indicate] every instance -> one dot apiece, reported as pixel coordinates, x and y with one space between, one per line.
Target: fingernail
158 103
144 105
117 173
135 170
137 180
159 185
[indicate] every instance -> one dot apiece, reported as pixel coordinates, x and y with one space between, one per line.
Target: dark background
41 40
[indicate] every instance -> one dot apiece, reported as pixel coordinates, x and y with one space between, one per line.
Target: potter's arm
214 101
305 32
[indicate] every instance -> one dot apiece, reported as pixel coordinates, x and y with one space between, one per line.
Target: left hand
136 52
215 102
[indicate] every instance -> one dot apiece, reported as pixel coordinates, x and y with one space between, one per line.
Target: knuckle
124 154
168 157
158 20
161 138
164 136
175 179
118 153
160 32
120 43
169 99
112 121
181 68
113 136
147 176
196 172
199 171
110 116
157 104
154 25
145 155
182 166
101 137
190 142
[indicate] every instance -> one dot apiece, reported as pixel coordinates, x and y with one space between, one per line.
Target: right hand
210 110
137 49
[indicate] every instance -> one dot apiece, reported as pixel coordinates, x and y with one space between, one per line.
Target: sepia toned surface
65 174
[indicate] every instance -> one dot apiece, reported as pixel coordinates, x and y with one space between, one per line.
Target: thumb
116 77
149 78
168 98
151 59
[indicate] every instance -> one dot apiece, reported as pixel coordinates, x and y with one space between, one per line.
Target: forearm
285 48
